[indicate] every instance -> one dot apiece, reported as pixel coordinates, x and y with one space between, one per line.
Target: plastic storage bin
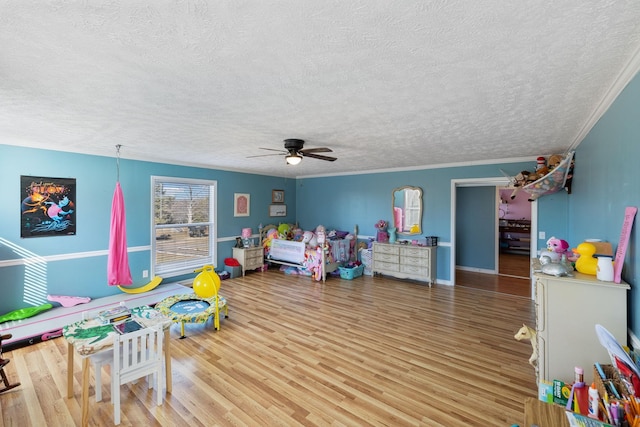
351 273
366 257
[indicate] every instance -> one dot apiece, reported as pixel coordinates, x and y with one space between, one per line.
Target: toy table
190 308
91 336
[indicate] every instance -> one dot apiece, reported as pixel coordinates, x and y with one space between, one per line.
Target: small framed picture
277 210
241 204
277 196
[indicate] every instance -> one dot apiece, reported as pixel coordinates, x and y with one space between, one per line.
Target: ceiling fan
294 152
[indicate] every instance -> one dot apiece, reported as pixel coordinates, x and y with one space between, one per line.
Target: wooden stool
3 363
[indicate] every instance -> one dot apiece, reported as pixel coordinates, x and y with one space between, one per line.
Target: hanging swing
118 270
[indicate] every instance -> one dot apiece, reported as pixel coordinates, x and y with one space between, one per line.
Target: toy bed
316 262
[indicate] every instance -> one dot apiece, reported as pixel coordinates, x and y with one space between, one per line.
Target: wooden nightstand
249 258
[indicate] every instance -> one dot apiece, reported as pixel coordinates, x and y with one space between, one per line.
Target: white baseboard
476 270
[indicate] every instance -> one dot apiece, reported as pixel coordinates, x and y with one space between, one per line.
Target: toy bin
366 257
431 241
351 273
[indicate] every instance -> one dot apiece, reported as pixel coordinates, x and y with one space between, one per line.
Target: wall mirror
407 210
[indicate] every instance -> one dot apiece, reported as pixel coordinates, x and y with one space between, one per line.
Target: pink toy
68 301
556 248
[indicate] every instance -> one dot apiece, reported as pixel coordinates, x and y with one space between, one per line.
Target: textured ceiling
385 84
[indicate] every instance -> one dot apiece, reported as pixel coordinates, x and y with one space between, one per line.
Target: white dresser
567 311
405 261
249 258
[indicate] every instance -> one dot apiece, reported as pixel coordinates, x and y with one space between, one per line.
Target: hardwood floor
370 351
514 265
508 285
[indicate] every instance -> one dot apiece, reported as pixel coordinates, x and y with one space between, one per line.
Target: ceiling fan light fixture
293 159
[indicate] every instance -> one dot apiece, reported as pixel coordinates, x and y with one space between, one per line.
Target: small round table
193 309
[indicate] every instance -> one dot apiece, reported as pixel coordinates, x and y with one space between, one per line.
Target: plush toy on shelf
586 263
555 249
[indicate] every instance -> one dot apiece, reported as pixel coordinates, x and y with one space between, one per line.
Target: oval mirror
407 210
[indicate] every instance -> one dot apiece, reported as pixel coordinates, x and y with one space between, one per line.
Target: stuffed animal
271 234
555 249
528 333
558 269
310 239
554 161
522 179
541 167
297 234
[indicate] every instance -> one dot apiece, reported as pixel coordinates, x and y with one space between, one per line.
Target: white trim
425 167
478 270
633 340
65 257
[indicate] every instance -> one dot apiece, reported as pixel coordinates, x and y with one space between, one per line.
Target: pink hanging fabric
118 271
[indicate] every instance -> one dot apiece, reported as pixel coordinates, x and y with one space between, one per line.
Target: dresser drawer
415 270
413 261
253 263
386 249
384 257
385 266
415 252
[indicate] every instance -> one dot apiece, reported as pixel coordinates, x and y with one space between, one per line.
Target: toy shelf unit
515 236
567 310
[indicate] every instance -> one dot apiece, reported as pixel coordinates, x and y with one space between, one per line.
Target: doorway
514 234
489 218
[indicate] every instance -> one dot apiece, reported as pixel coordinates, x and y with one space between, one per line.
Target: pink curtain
118 272
397 213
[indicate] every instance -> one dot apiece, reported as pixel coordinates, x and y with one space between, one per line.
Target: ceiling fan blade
273 149
316 150
320 157
266 155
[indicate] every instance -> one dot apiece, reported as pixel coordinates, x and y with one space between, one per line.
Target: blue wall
76 265
476 218
342 201
605 183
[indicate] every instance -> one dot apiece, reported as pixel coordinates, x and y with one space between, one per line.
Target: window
183 225
412 210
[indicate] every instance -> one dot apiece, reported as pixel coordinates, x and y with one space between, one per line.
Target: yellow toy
586 263
207 283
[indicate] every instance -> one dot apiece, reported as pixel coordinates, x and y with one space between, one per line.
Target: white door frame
487 182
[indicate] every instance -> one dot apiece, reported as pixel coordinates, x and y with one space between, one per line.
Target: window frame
182 268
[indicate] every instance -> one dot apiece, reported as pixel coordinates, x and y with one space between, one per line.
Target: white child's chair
135 355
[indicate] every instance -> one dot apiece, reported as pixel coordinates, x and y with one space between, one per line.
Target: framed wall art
277 196
48 206
277 210
241 203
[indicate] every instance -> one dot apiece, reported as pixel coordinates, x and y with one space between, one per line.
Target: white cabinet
567 311
405 262
249 258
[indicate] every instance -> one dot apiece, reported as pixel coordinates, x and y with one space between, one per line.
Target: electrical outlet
145 273
542 235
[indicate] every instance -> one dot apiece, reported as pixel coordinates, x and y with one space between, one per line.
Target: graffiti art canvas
48 206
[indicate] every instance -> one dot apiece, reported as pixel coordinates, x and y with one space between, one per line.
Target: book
115 314
127 326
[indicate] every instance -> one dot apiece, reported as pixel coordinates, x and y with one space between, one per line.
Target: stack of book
115 315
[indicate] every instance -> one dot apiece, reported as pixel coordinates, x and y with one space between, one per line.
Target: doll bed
315 262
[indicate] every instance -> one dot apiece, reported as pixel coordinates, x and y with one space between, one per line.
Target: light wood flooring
369 351
513 277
